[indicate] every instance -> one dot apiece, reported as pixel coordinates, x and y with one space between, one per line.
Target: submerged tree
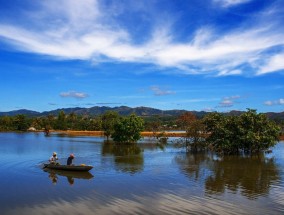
250 132
109 119
195 136
128 129
257 132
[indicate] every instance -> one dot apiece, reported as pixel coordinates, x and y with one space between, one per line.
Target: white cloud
229 101
276 102
74 94
229 3
82 30
230 72
161 92
274 63
226 103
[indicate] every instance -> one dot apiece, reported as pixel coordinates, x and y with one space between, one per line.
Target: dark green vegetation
249 133
109 120
245 132
128 129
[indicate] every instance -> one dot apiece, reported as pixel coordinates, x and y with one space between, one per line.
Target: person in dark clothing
70 159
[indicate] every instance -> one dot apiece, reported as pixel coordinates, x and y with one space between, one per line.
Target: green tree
109 119
71 120
128 129
37 123
6 123
250 132
61 122
95 124
257 132
195 135
21 122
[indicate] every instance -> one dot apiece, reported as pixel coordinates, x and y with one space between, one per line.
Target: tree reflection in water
127 157
192 164
252 176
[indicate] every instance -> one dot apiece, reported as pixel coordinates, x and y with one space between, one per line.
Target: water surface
139 179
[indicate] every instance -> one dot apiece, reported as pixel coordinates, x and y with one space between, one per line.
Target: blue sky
212 55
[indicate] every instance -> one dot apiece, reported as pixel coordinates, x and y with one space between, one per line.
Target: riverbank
143 134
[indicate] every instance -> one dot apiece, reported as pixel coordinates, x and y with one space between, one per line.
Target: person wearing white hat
53 158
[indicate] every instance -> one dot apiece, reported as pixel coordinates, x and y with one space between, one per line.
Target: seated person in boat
70 159
53 159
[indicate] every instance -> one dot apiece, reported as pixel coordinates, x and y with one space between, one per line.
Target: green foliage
6 123
109 119
20 122
257 132
158 123
127 129
250 132
61 122
71 121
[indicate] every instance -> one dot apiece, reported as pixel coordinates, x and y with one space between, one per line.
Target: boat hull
67 167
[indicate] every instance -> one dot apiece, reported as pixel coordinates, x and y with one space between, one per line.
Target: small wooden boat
81 168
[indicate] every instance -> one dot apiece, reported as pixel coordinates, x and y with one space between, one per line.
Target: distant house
31 129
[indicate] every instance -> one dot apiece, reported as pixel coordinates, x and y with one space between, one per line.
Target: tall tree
71 120
21 122
61 122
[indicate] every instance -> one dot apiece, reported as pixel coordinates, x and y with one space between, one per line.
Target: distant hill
275 116
21 111
124 110
121 110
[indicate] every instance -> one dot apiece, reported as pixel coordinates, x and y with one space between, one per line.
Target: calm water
141 179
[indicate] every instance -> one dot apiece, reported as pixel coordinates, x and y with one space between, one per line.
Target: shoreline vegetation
249 133
101 133
143 133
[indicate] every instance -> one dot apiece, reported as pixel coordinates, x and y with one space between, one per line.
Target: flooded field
145 178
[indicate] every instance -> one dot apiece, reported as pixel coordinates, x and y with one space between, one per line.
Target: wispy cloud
274 63
52 104
74 94
109 103
158 91
228 101
229 3
84 30
209 109
275 102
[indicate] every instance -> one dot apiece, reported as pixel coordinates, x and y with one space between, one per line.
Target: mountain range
124 110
